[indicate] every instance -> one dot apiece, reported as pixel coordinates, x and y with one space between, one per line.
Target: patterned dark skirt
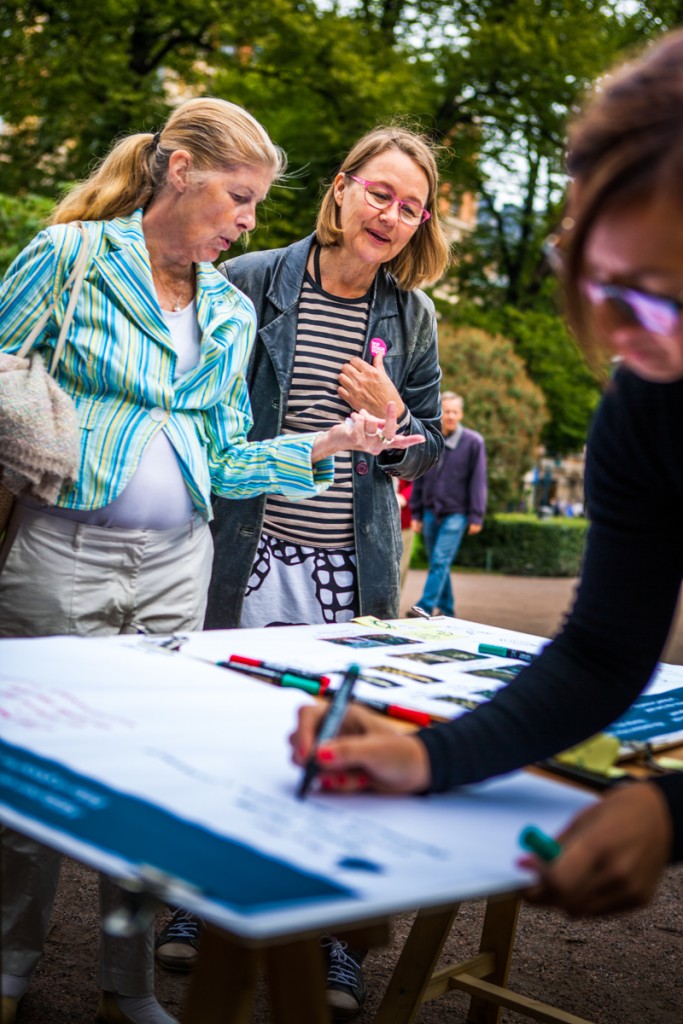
292 584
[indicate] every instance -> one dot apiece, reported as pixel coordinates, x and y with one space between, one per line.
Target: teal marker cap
492 649
545 847
299 683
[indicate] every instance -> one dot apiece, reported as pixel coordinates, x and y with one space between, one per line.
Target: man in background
449 500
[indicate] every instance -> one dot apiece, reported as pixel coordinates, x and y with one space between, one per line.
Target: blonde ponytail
125 180
217 134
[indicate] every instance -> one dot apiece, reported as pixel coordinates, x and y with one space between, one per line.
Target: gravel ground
617 970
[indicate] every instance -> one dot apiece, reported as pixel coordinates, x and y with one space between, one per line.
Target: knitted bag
39 437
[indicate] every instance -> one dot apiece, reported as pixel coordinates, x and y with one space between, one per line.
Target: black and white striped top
330 330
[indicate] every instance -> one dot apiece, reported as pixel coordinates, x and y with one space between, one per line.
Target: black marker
330 725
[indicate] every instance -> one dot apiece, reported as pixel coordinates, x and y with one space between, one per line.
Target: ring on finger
373 434
385 440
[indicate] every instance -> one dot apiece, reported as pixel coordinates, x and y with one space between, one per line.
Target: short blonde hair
217 134
426 256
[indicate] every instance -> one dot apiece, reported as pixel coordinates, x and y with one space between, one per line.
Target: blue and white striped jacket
118 365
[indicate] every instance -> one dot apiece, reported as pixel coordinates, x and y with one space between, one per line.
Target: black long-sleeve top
626 600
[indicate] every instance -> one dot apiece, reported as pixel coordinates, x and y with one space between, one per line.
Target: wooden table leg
497 937
223 982
296 980
413 972
484 977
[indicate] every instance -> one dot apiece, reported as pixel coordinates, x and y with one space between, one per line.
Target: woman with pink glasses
342 326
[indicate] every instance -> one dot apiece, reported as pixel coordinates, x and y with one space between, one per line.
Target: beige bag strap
73 281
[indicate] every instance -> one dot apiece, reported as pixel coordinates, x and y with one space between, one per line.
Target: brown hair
627 145
217 134
425 258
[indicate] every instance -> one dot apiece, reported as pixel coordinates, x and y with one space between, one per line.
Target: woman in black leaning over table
621 252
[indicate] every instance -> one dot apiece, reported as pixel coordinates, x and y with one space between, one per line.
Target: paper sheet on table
655 718
439 672
128 759
432 666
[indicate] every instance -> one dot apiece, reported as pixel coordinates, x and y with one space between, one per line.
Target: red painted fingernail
325 754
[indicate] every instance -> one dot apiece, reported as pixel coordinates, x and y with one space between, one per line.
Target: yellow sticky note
597 754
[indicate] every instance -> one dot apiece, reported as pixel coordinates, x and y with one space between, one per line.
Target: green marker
271 675
300 683
545 847
506 652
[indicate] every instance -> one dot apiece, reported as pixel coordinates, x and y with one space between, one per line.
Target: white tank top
156 496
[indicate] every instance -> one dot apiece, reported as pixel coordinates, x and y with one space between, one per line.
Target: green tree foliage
501 402
553 361
21 217
74 76
493 79
318 81
512 83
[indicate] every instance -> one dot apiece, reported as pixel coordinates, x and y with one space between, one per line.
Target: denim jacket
406 322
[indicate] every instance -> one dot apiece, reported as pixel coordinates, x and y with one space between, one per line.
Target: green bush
21 217
520 545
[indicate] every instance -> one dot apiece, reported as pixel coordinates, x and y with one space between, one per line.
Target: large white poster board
130 759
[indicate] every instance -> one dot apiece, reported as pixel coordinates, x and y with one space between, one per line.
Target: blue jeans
442 541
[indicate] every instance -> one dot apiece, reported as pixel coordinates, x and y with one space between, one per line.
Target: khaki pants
63 577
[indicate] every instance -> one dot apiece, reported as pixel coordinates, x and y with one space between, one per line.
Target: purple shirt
457 483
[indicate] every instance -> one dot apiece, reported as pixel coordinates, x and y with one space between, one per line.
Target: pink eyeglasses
382 198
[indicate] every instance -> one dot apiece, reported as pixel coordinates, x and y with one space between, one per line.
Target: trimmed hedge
520 545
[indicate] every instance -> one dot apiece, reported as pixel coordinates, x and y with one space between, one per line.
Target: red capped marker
242 659
396 711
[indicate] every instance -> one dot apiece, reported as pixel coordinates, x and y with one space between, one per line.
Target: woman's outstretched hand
362 432
369 753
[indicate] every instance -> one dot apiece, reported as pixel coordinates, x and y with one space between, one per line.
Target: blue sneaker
345 987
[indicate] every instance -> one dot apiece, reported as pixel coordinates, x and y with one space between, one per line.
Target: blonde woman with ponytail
155 363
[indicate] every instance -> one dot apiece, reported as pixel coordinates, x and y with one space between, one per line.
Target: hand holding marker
538 842
331 724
